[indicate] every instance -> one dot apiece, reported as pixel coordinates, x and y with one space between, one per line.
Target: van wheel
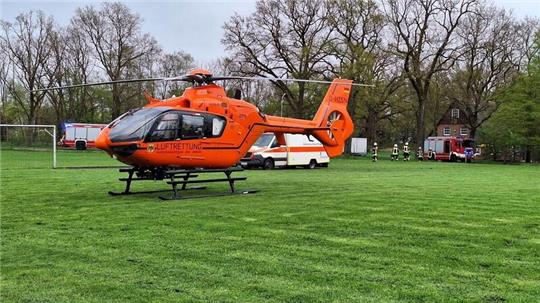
312 164
268 164
453 158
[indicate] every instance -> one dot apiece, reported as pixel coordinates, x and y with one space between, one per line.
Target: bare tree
5 65
258 93
526 33
56 72
80 67
360 52
71 63
423 36
25 41
487 63
115 33
172 65
282 39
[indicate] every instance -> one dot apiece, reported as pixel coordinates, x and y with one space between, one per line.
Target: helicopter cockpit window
132 126
192 126
166 128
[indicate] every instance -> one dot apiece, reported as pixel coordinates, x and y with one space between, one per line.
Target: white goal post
53 134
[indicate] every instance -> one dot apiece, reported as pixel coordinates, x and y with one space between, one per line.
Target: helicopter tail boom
332 124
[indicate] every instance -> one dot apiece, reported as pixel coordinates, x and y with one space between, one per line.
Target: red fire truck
80 135
449 149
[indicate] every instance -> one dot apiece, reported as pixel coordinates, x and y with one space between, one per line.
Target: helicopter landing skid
112 193
179 180
180 197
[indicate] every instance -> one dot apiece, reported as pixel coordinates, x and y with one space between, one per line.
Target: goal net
28 146
38 146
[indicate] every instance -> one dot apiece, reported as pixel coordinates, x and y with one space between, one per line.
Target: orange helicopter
205 129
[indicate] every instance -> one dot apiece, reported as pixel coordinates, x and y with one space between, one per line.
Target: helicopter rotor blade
98 83
201 79
280 79
191 78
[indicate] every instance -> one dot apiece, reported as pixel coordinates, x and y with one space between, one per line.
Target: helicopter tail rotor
332 118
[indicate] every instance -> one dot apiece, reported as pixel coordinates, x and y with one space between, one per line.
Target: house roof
447 116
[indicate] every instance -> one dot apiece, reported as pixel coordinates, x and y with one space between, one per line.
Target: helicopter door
165 128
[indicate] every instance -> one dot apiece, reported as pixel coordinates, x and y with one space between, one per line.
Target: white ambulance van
300 150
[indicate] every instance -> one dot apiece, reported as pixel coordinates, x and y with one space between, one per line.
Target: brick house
453 123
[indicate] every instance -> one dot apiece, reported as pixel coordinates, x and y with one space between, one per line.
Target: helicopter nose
102 141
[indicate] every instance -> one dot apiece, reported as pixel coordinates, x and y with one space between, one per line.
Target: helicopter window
166 128
192 126
133 125
217 126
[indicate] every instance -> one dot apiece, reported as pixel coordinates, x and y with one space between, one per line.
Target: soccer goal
28 137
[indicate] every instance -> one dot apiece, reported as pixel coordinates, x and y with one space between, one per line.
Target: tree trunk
371 128
528 154
300 104
472 133
420 121
116 102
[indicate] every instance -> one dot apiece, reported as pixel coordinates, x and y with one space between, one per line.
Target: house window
455 113
446 131
464 131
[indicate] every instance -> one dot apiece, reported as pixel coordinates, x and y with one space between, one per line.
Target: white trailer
359 146
300 150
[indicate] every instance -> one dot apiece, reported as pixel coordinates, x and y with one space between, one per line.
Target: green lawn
355 232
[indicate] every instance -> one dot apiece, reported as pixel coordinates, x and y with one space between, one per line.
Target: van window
264 140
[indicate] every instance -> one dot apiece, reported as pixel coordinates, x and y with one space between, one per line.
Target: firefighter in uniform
431 154
420 154
374 154
406 152
395 153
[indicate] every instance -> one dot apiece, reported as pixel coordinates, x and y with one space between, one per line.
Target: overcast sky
191 26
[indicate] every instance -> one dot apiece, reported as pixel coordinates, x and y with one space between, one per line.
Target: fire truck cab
449 149
80 135
285 150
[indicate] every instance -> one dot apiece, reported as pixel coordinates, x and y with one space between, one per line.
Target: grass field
355 232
